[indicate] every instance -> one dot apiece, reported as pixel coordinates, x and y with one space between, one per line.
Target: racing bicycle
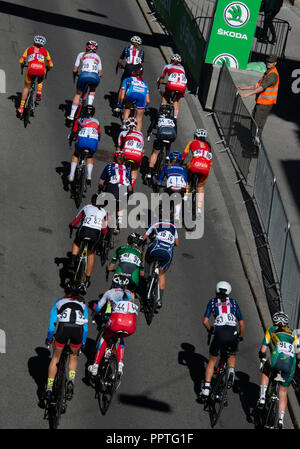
79 185
150 299
56 404
269 415
79 278
30 103
105 245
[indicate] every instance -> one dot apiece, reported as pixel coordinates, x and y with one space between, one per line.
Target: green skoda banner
189 41
233 32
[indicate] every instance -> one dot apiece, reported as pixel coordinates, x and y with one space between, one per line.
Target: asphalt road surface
164 363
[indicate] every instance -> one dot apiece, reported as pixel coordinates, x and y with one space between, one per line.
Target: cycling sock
175 113
73 168
89 168
263 389
133 182
91 99
39 88
177 209
281 415
207 384
161 293
72 375
119 105
50 383
73 110
22 103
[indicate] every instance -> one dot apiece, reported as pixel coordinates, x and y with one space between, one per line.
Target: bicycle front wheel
271 412
106 382
80 184
58 406
218 398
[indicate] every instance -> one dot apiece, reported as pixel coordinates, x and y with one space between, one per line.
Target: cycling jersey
132 144
201 158
36 57
165 234
176 177
226 313
89 133
91 62
68 311
283 357
132 55
130 261
176 77
136 90
92 217
112 296
117 174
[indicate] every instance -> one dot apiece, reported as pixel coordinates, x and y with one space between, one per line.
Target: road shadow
144 401
248 393
291 170
64 274
195 363
112 98
65 107
92 13
38 370
16 99
63 172
113 130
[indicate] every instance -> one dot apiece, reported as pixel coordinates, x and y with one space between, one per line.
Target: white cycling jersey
92 217
91 62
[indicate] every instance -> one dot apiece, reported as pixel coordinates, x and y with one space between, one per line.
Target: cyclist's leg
52 370
264 382
25 92
74 162
90 164
94 81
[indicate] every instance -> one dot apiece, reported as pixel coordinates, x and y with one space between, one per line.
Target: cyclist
122 319
130 261
117 180
71 314
283 358
134 90
166 126
200 163
176 81
91 73
88 132
165 237
134 59
131 142
93 220
227 315
176 178
37 55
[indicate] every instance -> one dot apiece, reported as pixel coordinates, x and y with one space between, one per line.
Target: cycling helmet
137 72
280 318
223 287
133 238
176 57
136 40
175 155
131 122
200 133
91 46
89 110
120 279
39 40
119 153
165 108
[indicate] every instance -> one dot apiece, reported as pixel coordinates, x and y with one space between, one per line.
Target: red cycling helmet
119 153
91 46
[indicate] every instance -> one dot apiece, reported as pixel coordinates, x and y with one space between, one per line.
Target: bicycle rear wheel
151 299
106 382
272 411
81 268
218 398
58 406
80 184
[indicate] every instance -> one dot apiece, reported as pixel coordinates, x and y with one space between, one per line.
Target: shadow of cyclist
112 98
64 172
16 99
195 363
64 273
38 370
113 131
248 393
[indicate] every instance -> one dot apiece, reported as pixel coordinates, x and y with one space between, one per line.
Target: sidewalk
281 139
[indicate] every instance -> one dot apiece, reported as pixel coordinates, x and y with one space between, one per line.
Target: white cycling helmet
39 40
131 122
200 133
223 287
176 57
280 318
136 40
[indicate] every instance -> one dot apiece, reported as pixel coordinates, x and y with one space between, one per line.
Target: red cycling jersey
176 78
36 57
132 144
201 158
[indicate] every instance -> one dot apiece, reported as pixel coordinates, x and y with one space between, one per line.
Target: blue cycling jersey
117 174
165 234
225 312
136 85
176 175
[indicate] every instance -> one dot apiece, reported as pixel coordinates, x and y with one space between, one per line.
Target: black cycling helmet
133 238
89 110
165 108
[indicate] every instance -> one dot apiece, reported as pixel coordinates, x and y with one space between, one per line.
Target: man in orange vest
266 91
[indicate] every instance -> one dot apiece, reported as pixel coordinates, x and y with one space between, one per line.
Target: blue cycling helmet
175 155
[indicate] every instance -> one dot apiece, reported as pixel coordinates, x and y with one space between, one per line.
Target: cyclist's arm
85 326
242 327
207 315
23 57
176 242
186 151
78 218
49 60
52 322
162 174
104 225
103 176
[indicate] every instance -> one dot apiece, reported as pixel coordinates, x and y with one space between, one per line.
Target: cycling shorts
134 155
286 366
124 322
116 191
180 192
170 87
164 133
138 97
199 166
91 78
66 331
164 256
35 69
93 234
79 149
225 339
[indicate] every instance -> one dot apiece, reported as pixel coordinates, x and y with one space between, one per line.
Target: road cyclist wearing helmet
163 236
91 73
131 142
134 90
128 261
37 56
227 316
116 179
93 219
133 55
166 126
119 301
71 316
176 179
284 354
88 132
176 81
200 163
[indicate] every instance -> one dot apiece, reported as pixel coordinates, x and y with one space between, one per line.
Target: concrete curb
241 241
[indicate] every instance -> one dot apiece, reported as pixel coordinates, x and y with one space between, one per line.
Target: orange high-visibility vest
269 95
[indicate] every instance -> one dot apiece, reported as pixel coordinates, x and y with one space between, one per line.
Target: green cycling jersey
130 261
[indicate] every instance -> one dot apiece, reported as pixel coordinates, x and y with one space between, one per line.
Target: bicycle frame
272 401
80 274
79 186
